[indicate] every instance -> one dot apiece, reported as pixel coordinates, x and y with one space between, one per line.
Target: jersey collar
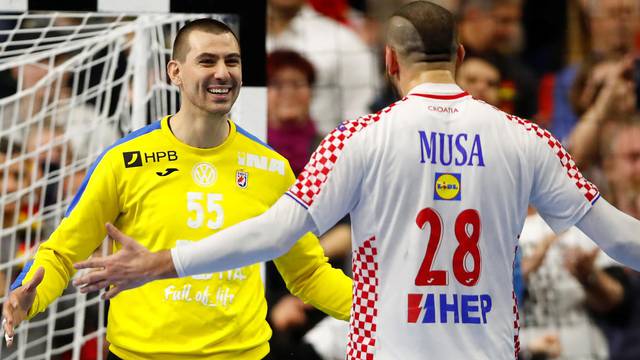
438 91
199 151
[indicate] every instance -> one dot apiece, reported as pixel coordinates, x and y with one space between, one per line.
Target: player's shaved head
423 32
208 25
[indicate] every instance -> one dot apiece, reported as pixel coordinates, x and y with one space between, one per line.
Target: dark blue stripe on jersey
596 199
252 137
145 130
16 284
297 200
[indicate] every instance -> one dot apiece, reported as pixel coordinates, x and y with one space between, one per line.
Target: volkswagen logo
204 174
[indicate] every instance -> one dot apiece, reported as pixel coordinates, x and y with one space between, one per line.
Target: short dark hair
181 42
436 27
281 59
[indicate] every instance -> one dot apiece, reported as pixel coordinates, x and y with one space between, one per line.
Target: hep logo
448 308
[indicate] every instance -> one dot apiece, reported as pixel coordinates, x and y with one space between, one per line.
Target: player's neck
431 76
199 131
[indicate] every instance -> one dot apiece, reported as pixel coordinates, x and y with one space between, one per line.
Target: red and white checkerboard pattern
316 172
362 328
589 190
516 325
516 313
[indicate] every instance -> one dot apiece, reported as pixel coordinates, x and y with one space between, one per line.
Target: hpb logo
137 158
132 159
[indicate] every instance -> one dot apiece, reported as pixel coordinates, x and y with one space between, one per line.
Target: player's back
437 186
447 180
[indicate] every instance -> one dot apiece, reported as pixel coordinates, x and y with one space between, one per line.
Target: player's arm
16 307
615 232
268 235
327 190
565 198
78 235
309 276
271 234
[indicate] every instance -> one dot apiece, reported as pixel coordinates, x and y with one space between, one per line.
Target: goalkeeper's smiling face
211 74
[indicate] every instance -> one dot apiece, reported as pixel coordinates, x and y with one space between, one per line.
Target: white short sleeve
560 192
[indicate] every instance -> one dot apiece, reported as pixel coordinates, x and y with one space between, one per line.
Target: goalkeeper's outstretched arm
261 238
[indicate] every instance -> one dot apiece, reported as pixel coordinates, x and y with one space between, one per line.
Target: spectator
569 281
491 29
613 26
573 280
621 154
58 171
291 130
480 79
347 74
602 95
292 133
39 102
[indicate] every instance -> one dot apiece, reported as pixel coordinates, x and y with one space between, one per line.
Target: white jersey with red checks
437 186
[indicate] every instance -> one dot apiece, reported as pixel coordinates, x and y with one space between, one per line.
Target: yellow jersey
162 193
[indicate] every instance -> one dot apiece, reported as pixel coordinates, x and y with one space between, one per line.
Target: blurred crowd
571 66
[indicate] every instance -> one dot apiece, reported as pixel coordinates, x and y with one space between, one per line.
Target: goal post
75 82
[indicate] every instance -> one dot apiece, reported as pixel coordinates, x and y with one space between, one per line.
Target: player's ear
173 70
391 61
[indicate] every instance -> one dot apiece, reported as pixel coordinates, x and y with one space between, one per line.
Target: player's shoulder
484 111
253 143
135 138
253 152
348 128
530 130
497 117
133 142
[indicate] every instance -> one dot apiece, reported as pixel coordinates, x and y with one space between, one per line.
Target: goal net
70 85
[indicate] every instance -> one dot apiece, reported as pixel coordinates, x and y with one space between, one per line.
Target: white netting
70 84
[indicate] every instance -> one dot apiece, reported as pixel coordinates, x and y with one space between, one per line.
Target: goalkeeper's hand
132 266
19 302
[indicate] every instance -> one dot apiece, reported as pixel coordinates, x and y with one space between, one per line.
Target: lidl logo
447 186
